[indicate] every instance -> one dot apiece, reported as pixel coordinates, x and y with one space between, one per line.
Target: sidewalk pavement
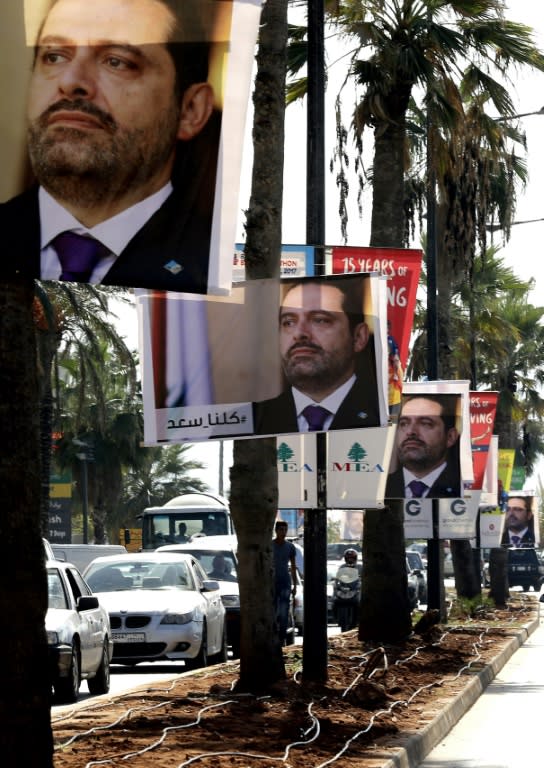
502 729
483 727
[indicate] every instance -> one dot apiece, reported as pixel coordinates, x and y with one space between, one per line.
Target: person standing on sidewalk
285 582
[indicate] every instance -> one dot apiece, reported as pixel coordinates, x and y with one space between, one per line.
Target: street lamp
85 455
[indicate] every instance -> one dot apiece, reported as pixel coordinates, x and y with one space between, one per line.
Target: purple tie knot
78 255
316 416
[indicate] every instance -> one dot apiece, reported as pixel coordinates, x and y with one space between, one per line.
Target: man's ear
196 108
360 337
452 437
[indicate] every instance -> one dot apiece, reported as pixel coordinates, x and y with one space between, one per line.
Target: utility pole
315 520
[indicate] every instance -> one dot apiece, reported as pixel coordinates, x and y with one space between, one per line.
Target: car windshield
219 565
131 574
56 594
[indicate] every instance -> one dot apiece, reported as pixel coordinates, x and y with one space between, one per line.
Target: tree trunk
253 504
254 475
467 580
385 611
25 689
498 576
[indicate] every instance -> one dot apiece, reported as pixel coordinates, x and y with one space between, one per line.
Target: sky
524 252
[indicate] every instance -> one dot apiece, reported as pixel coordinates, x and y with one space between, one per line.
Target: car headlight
231 601
177 618
52 637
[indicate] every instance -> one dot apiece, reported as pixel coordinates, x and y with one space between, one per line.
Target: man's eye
114 62
53 57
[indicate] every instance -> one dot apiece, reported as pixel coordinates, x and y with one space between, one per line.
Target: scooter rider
347 591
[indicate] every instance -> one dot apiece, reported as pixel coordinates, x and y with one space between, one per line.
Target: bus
185 518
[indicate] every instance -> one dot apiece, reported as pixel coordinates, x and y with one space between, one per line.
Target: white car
78 634
161 606
206 549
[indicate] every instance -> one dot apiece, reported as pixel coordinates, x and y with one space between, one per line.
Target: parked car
205 549
416 565
525 569
421 547
78 634
162 606
413 587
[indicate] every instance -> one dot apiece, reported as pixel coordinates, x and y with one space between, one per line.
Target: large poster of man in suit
132 122
426 460
265 360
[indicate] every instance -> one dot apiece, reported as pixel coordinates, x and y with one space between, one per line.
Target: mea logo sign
358 462
287 460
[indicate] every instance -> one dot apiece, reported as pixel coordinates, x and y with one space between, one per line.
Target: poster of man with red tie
426 459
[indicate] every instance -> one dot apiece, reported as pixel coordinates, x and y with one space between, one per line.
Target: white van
81 555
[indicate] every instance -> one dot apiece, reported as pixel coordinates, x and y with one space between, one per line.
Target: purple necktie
516 540
78 255
316 416
418 488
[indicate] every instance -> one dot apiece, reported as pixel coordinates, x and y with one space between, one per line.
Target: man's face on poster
102 107
517 514
422 437
317 344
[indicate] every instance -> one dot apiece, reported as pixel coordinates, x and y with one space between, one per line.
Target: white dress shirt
115 233
332 403
429 479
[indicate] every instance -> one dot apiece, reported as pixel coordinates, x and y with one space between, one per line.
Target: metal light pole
315 520
84 456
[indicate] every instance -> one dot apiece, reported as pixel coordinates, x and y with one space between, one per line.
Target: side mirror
87 603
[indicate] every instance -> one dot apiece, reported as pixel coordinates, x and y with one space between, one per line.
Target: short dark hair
189 40
447 403
350 288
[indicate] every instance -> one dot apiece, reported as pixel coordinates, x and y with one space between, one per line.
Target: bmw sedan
78 634
161 606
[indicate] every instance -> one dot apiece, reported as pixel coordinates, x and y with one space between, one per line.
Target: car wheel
67 688
100 683
201 659
222 655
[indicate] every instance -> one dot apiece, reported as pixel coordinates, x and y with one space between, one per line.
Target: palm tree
89 389
162 474
440 53
254 489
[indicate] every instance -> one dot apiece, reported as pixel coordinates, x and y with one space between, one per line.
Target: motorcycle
346 597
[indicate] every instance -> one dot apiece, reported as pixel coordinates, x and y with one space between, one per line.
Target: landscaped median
382 705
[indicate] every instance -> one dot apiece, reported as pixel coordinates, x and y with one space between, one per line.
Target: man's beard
87 168
319 372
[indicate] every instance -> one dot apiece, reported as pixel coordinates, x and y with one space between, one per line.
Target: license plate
128 637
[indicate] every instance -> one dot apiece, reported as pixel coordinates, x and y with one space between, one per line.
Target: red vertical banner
402 267
483 407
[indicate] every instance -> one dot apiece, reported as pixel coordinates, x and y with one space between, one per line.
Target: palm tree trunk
25 688
254 476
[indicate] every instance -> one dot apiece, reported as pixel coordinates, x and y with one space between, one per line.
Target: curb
417 747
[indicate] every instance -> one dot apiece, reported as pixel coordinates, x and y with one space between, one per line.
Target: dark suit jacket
527 540
446 486
170 234
278 415
180 230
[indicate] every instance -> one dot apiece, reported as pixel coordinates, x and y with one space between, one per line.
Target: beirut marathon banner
121 162
401 267
483 407
247 364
